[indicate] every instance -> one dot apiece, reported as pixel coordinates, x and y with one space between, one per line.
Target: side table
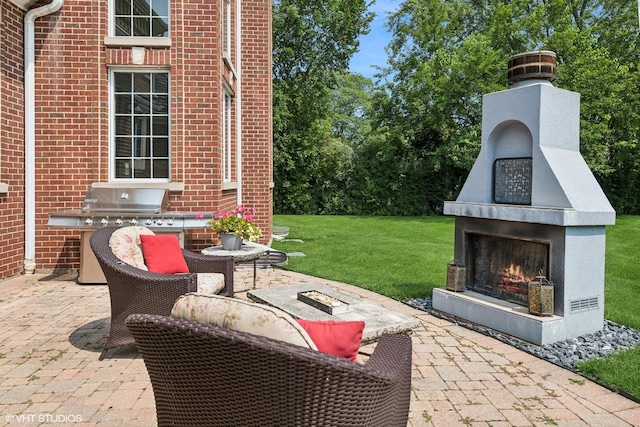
245 254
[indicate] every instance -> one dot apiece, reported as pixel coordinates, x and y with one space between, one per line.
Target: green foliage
402 146
446 54
312 42
239 222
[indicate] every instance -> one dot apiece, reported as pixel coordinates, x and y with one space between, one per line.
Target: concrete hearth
511 319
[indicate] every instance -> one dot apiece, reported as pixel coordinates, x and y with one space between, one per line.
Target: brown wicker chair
211 376
137 291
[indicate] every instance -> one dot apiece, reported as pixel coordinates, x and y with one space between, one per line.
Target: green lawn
406 257
401 257
622 272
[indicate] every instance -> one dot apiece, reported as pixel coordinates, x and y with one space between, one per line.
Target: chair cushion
240 315
210 283
125 244
340 338
162 254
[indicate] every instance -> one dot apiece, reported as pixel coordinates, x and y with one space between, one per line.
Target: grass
622 272
398 257
619 371
406 257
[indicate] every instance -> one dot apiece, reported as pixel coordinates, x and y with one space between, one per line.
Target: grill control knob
88 221
119 221
133 221
159 221
149 222
104 221
170 222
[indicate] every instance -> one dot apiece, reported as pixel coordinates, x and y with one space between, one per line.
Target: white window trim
227 36
121 41
226 29
111 126
113 40
227 135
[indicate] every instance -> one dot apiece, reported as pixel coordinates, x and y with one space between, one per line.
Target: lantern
541 296
456 277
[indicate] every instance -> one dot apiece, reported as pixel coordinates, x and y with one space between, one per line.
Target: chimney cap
536 65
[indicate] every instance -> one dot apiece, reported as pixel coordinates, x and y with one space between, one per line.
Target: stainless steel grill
125 206
110 206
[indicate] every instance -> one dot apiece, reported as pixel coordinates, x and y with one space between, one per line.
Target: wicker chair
212 376
133 290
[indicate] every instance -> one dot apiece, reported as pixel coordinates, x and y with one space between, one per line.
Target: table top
246 253
378 320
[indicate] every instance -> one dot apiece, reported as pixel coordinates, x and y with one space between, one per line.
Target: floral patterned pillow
125 244
240 315
210 283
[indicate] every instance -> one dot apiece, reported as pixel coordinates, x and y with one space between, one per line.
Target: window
140 124
226 29
227 138
141 18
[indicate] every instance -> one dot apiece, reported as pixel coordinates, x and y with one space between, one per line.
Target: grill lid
126 200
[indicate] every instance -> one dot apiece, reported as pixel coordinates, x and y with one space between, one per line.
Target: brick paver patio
53 330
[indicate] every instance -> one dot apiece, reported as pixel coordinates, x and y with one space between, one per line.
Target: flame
513 273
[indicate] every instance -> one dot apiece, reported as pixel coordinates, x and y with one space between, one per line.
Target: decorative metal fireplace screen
502 267
512 180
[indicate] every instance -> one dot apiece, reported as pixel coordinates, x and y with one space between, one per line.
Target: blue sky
372 45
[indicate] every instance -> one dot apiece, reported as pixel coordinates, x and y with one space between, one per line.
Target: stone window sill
150 42
230 186
172 186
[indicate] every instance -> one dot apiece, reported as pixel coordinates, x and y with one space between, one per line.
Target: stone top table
378 320
245 254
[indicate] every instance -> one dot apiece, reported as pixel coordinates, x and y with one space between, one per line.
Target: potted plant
235 226
456 276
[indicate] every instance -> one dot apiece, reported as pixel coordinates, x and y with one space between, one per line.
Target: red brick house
133 93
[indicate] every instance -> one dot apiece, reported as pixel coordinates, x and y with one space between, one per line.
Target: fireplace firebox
502 267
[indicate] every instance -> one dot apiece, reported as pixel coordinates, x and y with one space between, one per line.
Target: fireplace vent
584 304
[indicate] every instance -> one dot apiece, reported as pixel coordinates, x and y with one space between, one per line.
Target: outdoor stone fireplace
530 207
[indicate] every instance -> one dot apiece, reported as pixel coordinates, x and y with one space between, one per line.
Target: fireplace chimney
539 65
539 125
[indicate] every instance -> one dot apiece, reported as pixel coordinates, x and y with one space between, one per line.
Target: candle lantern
541 296
456 277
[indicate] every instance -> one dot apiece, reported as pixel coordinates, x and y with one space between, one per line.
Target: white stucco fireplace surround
530 184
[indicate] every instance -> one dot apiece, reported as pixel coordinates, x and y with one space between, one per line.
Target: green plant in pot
235 226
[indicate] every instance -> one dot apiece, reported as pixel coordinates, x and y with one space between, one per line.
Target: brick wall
257 131
72 112
11 140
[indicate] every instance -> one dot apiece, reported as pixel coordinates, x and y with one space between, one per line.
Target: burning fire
514 273
513 279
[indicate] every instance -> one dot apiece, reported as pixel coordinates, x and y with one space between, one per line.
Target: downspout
239 100
30 132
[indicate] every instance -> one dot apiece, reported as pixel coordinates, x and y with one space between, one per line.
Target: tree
313 41
445 54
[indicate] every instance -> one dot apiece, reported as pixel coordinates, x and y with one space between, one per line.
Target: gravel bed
568 353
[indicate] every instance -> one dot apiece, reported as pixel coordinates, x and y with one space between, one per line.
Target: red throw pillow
162 254
340 338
